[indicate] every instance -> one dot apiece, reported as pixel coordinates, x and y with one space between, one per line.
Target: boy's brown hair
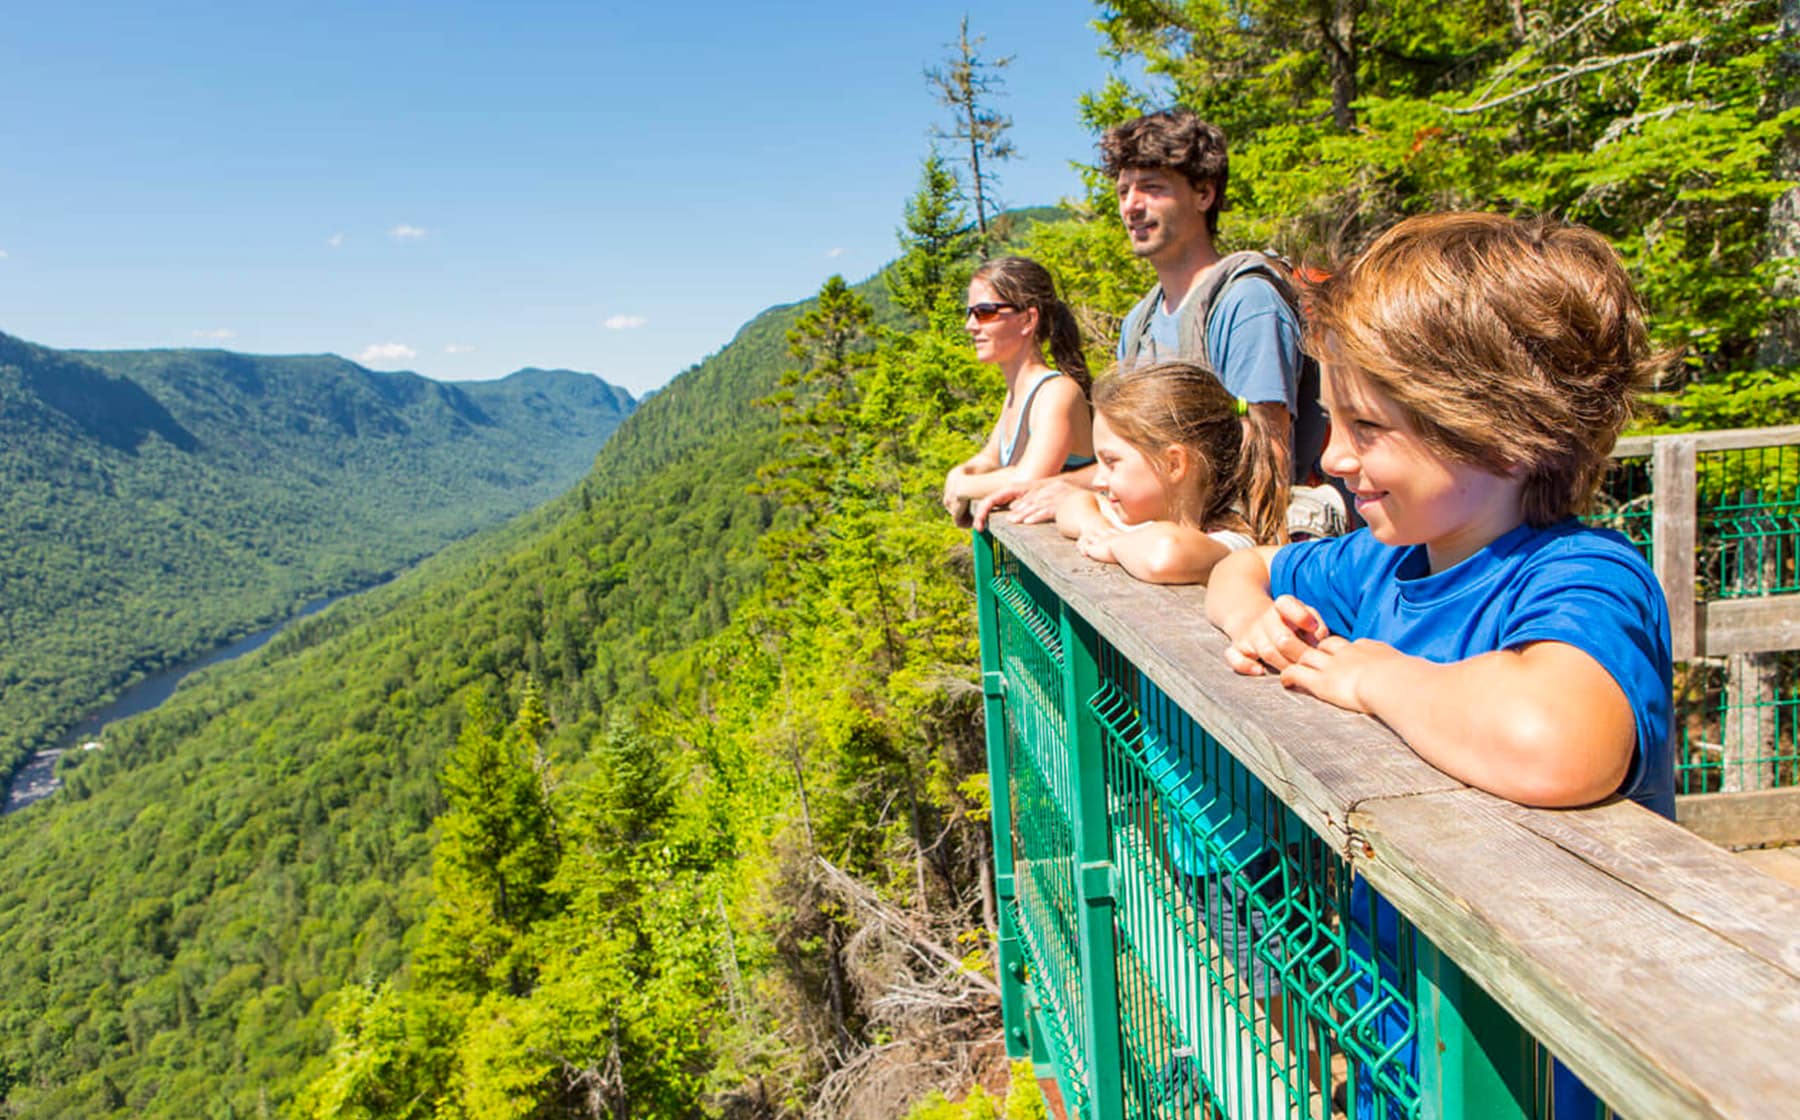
1172 140
1511 345
1240 480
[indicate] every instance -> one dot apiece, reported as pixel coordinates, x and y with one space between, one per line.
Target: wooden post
1009 961
1749 732
1673 534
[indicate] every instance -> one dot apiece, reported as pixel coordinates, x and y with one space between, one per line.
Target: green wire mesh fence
1248 972
1735 713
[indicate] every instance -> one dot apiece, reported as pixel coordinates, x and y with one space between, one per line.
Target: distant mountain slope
156 503
264 837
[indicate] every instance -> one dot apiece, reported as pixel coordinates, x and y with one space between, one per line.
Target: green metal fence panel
1626 502
1736 714
1188 946
1009 956
1749 521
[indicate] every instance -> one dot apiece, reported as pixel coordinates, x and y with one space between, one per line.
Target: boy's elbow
1560 765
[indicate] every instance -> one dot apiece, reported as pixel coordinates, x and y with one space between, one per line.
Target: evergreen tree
496 852
935 243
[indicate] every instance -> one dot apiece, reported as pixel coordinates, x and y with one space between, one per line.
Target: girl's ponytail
1262 478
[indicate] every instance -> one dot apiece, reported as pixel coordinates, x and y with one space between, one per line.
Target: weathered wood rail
1661 970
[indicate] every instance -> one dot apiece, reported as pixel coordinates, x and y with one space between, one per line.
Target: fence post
1475 1061
1093 853
1009 961
1674 528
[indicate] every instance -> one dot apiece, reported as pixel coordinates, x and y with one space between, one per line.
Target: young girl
1044 427
1183 479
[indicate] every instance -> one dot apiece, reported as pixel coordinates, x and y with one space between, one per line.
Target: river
36 780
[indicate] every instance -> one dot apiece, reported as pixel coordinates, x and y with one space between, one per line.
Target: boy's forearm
1238 590
1540 729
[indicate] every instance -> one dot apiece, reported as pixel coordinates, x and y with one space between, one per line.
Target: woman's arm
1544 724
1056 411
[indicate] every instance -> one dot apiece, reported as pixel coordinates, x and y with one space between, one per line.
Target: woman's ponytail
1064 340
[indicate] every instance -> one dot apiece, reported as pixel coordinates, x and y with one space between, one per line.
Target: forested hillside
157 503
670 800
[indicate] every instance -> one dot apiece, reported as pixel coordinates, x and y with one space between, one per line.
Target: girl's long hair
1241 474
1024 283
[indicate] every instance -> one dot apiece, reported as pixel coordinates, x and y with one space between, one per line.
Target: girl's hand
1097 544
1277 638
1337 671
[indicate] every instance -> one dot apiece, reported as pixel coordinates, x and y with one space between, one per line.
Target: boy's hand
1277 638
1337 671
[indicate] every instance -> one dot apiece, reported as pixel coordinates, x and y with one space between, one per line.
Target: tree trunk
1337 27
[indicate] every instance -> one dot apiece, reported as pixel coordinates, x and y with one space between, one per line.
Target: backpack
1195 313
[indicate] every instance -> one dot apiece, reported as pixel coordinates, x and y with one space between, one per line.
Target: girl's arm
1079 513
1160 552
1543 724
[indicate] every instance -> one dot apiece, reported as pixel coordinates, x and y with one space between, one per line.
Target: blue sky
463 189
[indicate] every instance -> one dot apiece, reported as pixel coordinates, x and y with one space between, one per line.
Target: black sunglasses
988 312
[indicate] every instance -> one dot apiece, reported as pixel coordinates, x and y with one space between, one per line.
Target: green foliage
938 242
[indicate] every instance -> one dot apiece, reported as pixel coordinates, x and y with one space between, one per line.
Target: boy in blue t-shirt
1477 370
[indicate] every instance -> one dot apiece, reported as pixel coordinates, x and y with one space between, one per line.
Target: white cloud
837 252
2 254
624 322
459 348
404 232
387 353
336 240
219 333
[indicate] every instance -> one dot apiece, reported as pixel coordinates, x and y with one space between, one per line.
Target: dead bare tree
967 84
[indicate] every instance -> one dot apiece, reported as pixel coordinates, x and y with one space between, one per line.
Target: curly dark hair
1172 140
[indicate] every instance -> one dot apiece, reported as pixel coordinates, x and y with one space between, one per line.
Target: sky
466 189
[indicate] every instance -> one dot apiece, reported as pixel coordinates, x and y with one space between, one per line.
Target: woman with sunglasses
1045 426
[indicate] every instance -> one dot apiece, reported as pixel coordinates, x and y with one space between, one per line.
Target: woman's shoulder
1057 390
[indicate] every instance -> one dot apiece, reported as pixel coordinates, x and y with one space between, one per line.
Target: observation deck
1221 899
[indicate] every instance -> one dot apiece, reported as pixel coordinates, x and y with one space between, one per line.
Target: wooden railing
1664 973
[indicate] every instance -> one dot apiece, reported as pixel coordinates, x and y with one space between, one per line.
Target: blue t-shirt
1566 583
1252 338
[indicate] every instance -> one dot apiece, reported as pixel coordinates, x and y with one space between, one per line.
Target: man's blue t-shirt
1564 583
1252 338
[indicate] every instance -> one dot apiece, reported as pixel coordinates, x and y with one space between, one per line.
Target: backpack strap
1195 312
